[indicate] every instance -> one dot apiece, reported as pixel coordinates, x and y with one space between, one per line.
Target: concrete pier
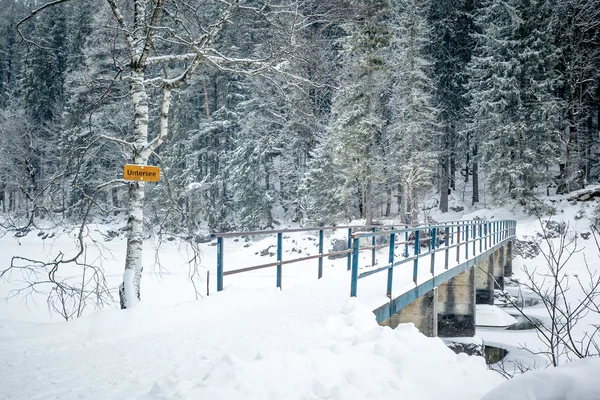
449 311
484 281
422 313
508 260
498 269
456 306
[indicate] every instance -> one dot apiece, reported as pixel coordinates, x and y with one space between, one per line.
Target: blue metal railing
455 234
452 234
280 261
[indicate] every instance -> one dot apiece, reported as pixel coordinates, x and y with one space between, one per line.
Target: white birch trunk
130 288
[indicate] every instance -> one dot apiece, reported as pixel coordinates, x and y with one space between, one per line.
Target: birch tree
166 42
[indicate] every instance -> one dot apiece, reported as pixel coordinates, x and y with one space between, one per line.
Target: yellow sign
146 173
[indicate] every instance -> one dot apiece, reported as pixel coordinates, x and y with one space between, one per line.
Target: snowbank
488 315
354 359
577 380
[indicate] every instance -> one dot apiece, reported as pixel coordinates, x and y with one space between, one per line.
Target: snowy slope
260 344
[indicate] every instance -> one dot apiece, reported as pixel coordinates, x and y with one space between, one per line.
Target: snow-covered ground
250 341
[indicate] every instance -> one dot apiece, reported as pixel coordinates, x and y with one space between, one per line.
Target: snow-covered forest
282 114
262 112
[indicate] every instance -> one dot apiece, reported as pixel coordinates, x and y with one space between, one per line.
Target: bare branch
31 15
121 21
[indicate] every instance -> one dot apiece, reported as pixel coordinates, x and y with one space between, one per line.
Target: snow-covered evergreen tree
357 117
450 50
510 89
575 24
412 132
323 202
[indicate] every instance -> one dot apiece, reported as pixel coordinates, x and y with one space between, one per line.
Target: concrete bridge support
508 259
490 273
449 309
456 306
484 281
498 270
422 312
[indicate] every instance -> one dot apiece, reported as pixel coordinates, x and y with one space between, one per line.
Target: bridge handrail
372 232
310 229
484 231
423 226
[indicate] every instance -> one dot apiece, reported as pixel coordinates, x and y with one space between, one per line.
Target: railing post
219 264
390 276
458 244
433 243
485 239
320 273
466 241
452 234
480 228
373 250
447 231
354 278
349 249
279 254
430 241
499 231
474 236
417 251
496 233
490 232
406 241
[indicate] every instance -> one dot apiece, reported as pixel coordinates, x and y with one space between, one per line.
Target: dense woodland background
377 106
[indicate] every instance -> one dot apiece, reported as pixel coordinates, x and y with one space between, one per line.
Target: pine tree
575 24
511 110
323 202
541 109
412 133
44 96
450 49
357 116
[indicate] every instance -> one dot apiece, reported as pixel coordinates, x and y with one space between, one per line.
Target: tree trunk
115 199
444 184
268 213
388 202
571 165
129 291
408 206
467 168
369 203
475 176
414 207
399 199
451 154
